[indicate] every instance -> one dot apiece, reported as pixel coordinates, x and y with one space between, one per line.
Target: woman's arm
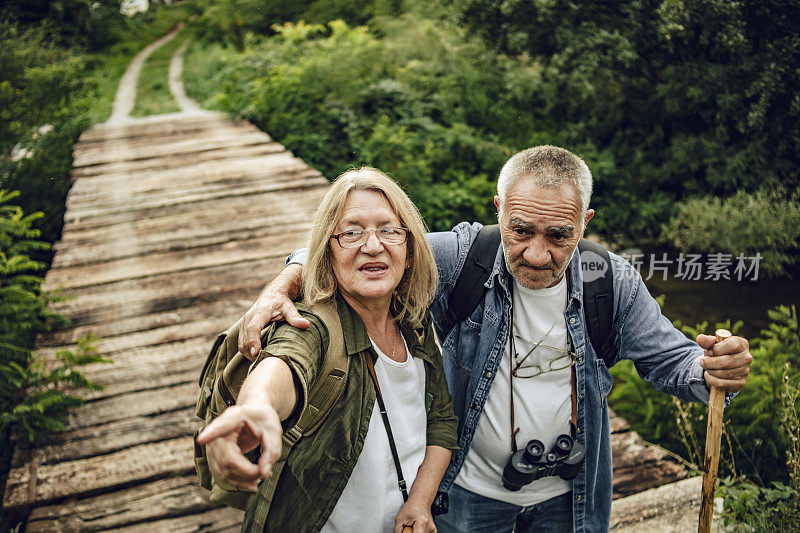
417 510
267 396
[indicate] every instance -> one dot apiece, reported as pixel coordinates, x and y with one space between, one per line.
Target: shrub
414 100
756 438
745 223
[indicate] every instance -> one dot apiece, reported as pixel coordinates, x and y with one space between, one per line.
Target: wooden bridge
172 226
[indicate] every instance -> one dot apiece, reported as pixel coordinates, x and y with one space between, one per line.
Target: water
715 301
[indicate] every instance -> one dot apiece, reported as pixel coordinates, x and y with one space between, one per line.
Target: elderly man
521 368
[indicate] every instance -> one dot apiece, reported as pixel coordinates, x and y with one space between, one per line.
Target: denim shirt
473 349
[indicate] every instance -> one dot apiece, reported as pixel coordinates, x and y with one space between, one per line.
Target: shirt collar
356 339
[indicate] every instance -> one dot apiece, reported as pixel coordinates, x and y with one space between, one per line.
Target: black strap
598 305
469 287
401 482
598 295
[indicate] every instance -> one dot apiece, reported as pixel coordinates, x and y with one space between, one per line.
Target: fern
32 392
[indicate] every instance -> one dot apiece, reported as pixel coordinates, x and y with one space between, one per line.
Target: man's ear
497 202
589 215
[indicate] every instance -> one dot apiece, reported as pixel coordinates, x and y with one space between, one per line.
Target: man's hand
238 430
726 363
416 514
274 303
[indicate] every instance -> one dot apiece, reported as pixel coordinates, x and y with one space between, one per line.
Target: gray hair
547 166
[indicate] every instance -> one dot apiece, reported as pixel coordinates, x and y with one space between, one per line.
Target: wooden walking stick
716 405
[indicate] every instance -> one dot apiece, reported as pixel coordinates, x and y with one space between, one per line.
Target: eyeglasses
357 238
564 360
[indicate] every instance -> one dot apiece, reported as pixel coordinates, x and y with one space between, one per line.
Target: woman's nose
373 244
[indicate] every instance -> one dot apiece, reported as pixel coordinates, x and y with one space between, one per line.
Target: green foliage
749 507
22 309
32 397
413 98
55 84
763 223
30 389
689 97
230 21
757 439
84 23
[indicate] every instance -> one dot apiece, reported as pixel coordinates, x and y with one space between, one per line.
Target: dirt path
126 92
186 104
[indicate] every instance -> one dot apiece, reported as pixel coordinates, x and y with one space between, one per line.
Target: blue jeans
473 513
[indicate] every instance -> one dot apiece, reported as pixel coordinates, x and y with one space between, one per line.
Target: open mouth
373 268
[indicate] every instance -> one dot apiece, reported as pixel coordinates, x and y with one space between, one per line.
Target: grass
152 93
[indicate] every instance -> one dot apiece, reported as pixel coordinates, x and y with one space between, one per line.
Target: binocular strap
514 430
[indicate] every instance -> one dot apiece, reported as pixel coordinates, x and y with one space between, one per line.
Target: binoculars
532 463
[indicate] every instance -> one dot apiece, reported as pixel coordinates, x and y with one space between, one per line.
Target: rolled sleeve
302 350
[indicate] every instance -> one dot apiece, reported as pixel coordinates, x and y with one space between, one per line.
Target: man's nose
536 254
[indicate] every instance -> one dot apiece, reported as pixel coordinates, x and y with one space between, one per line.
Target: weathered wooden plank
285 207
159 125
114 346
141 143
229 153
156 133
638 466
192 174
618 424
180 145
99 223
670 508
154 321
142 403
142 365
112 437
182 237
112 301
166 498
303 179
161 263
38 485
222 520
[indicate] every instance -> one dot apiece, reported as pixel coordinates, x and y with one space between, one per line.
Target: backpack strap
469 287
598 305
322 396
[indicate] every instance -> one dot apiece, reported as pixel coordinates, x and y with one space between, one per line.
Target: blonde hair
418 285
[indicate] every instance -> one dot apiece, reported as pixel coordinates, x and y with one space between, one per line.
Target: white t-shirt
542 404
371 498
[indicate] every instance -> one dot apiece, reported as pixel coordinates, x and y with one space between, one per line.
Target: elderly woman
368 254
